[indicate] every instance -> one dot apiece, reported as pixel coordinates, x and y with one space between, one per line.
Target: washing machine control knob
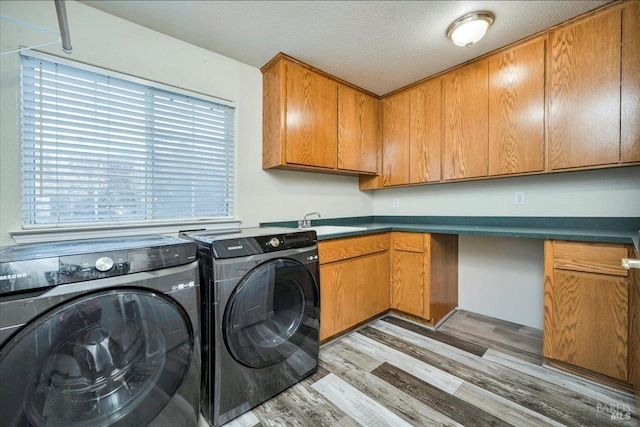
104 264
274 242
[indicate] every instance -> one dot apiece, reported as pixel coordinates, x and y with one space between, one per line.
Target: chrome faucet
306 223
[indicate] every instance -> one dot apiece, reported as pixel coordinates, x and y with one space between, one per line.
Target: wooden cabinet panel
634 330
273 124
516 109
424 274
590 257
307 126
409 242
395 139
466 121
357 130
375 291
441 284
311 118
586 321
425 131
351 247
352 291
584 93
630 120
407 282
338 293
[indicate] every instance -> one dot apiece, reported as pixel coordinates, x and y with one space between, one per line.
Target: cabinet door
312 118
586 321
630 120
516 109
407 282
395 139
357 130
374 280
425 131
466 117
584 93
338 293
352 291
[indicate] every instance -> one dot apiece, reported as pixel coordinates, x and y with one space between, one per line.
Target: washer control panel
19 275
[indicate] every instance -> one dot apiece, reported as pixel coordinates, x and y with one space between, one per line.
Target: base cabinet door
407 282
586 313
424 274
586 325
354 281
352 291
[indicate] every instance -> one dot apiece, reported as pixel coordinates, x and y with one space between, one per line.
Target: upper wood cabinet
412 135
357 130
630 120
584 93
425 131
395 139
305 127
466 117
516 109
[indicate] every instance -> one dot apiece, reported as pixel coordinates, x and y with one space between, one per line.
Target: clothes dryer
260 316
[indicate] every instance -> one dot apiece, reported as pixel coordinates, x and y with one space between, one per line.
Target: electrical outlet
519 199
396 203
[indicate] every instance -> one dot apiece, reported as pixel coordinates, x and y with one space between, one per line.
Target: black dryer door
111 358
272 313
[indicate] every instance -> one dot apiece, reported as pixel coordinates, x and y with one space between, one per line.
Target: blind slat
98 148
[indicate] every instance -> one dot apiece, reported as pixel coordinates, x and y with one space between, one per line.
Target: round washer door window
109 358
271 313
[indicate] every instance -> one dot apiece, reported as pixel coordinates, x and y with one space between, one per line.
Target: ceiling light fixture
470 28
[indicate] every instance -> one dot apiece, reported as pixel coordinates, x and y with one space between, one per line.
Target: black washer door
271 312
109 358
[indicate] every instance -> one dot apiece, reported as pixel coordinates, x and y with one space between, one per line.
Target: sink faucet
306 223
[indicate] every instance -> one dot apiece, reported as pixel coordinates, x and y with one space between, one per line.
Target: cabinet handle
629 263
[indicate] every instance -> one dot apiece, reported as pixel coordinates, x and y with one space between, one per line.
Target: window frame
63 231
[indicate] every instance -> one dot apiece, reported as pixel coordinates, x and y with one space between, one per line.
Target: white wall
103 40
605 192
503 277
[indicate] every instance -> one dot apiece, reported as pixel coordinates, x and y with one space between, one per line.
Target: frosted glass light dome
470 28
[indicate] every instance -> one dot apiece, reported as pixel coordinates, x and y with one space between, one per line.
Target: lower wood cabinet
424 274
586 307
354 281
634 330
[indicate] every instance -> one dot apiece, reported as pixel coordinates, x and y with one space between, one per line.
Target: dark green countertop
589 229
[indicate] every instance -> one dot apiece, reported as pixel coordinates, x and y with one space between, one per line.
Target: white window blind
98 149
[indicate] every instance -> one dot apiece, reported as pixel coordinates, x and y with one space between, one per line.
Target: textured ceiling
377 45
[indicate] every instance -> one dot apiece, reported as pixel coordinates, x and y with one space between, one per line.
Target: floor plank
473 370
548 399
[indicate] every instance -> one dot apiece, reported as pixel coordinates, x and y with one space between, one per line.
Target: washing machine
260 315
100 333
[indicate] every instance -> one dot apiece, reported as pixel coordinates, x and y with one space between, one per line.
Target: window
103 148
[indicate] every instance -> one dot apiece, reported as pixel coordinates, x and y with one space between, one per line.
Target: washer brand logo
14 276
234 248
181 286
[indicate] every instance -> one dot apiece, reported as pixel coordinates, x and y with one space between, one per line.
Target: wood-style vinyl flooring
473 371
